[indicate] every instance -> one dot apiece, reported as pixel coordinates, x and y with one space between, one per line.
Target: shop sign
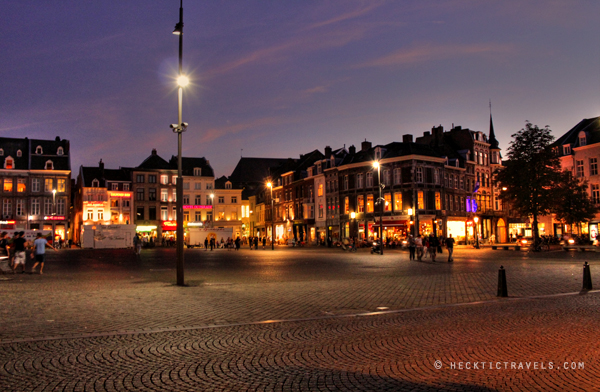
8 222
119 194
87 204
169 226
54 217
145 228
195 224
197 207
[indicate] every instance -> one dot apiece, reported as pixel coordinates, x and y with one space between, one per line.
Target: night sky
280 78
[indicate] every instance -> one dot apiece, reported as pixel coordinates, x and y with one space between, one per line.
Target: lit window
397 201
164 179
60 151
388 202
360 201
8 185
21 185
48 185
320 190
438 201
421 201
9 163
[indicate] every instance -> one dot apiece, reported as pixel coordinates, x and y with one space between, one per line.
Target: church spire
494 145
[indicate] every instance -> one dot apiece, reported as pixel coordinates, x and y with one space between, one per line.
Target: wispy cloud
347 15
215 133
431 52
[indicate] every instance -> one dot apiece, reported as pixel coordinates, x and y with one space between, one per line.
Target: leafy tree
531 175
573 204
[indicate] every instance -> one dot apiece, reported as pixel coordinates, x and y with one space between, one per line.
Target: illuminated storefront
456 227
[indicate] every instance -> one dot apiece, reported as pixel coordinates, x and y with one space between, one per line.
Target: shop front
457 227
394 227
57 224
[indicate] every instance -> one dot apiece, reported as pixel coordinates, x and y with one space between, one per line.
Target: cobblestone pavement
545 344
104 320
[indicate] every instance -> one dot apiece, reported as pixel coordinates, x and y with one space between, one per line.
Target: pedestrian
237 243
264 241
212 243
4 253
433 245
411 247
450 246
137 244
256 243
39 249
419 247
20 257
250 242
206 243
425 247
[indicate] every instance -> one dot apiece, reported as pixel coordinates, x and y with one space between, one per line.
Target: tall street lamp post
212 206
380 201
179 128
270 185
475 223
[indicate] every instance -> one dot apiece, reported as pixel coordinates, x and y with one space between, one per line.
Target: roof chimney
101 165
407 138
352 149
327 152
154 151
364 146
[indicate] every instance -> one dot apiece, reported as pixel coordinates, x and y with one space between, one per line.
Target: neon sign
119 194
54 217
197 207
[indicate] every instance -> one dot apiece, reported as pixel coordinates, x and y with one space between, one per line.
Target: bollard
502 289
587 277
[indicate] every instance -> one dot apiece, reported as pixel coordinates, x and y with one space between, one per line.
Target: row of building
440 182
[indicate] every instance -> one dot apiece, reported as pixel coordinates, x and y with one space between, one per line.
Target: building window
49 165
420 201
397 176
95 183
60 207
47 207
567 149
8 185
164 213
20 207
360 201
233 199
369 180
397 201
595 193
593 166
209 185
139 194
9 163
90 214
164 179
370 206
114 186
19 153
388 201
39 150
438 201
174 196
164 195
228 185
139 178
208 200
6 207
198 200
436 176
345 183
35 206
387 180
48 183
61 185
125 187
152 213
152 195
114 203
579 168
100 215
582 139
221 199
346 205
1 152
152 178
197 171
320 190
320 210
419 174
35 184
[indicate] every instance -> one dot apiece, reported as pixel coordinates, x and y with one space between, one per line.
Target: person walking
206 243
39 249
255 243
450 246
250 242
237 243
264 241
433 245
411 247
212 244
4 254
20 257
137 244
419 246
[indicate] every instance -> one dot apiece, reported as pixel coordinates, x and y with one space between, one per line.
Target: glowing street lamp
270 186
212 204
475 220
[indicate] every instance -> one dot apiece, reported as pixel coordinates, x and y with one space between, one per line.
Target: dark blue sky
280 78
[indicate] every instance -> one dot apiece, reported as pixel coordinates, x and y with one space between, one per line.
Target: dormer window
1 152
228 185
197 171
567 149
95 183
19 153
60 151
39 150
9 163
49 165
582 139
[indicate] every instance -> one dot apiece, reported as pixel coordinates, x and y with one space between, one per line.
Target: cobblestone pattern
113 297
376 353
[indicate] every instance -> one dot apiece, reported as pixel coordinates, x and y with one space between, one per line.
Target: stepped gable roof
189 164
155 162
591 126
254 170
90 173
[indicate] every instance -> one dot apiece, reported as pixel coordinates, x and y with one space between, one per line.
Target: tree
573 204
531 175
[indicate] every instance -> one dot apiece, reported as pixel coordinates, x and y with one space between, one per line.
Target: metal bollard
502 289
587 277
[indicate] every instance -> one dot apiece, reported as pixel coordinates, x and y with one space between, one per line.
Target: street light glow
183 81
376 164
269 184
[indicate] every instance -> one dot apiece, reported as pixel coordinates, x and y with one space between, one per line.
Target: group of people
228 244
15 251
421 247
